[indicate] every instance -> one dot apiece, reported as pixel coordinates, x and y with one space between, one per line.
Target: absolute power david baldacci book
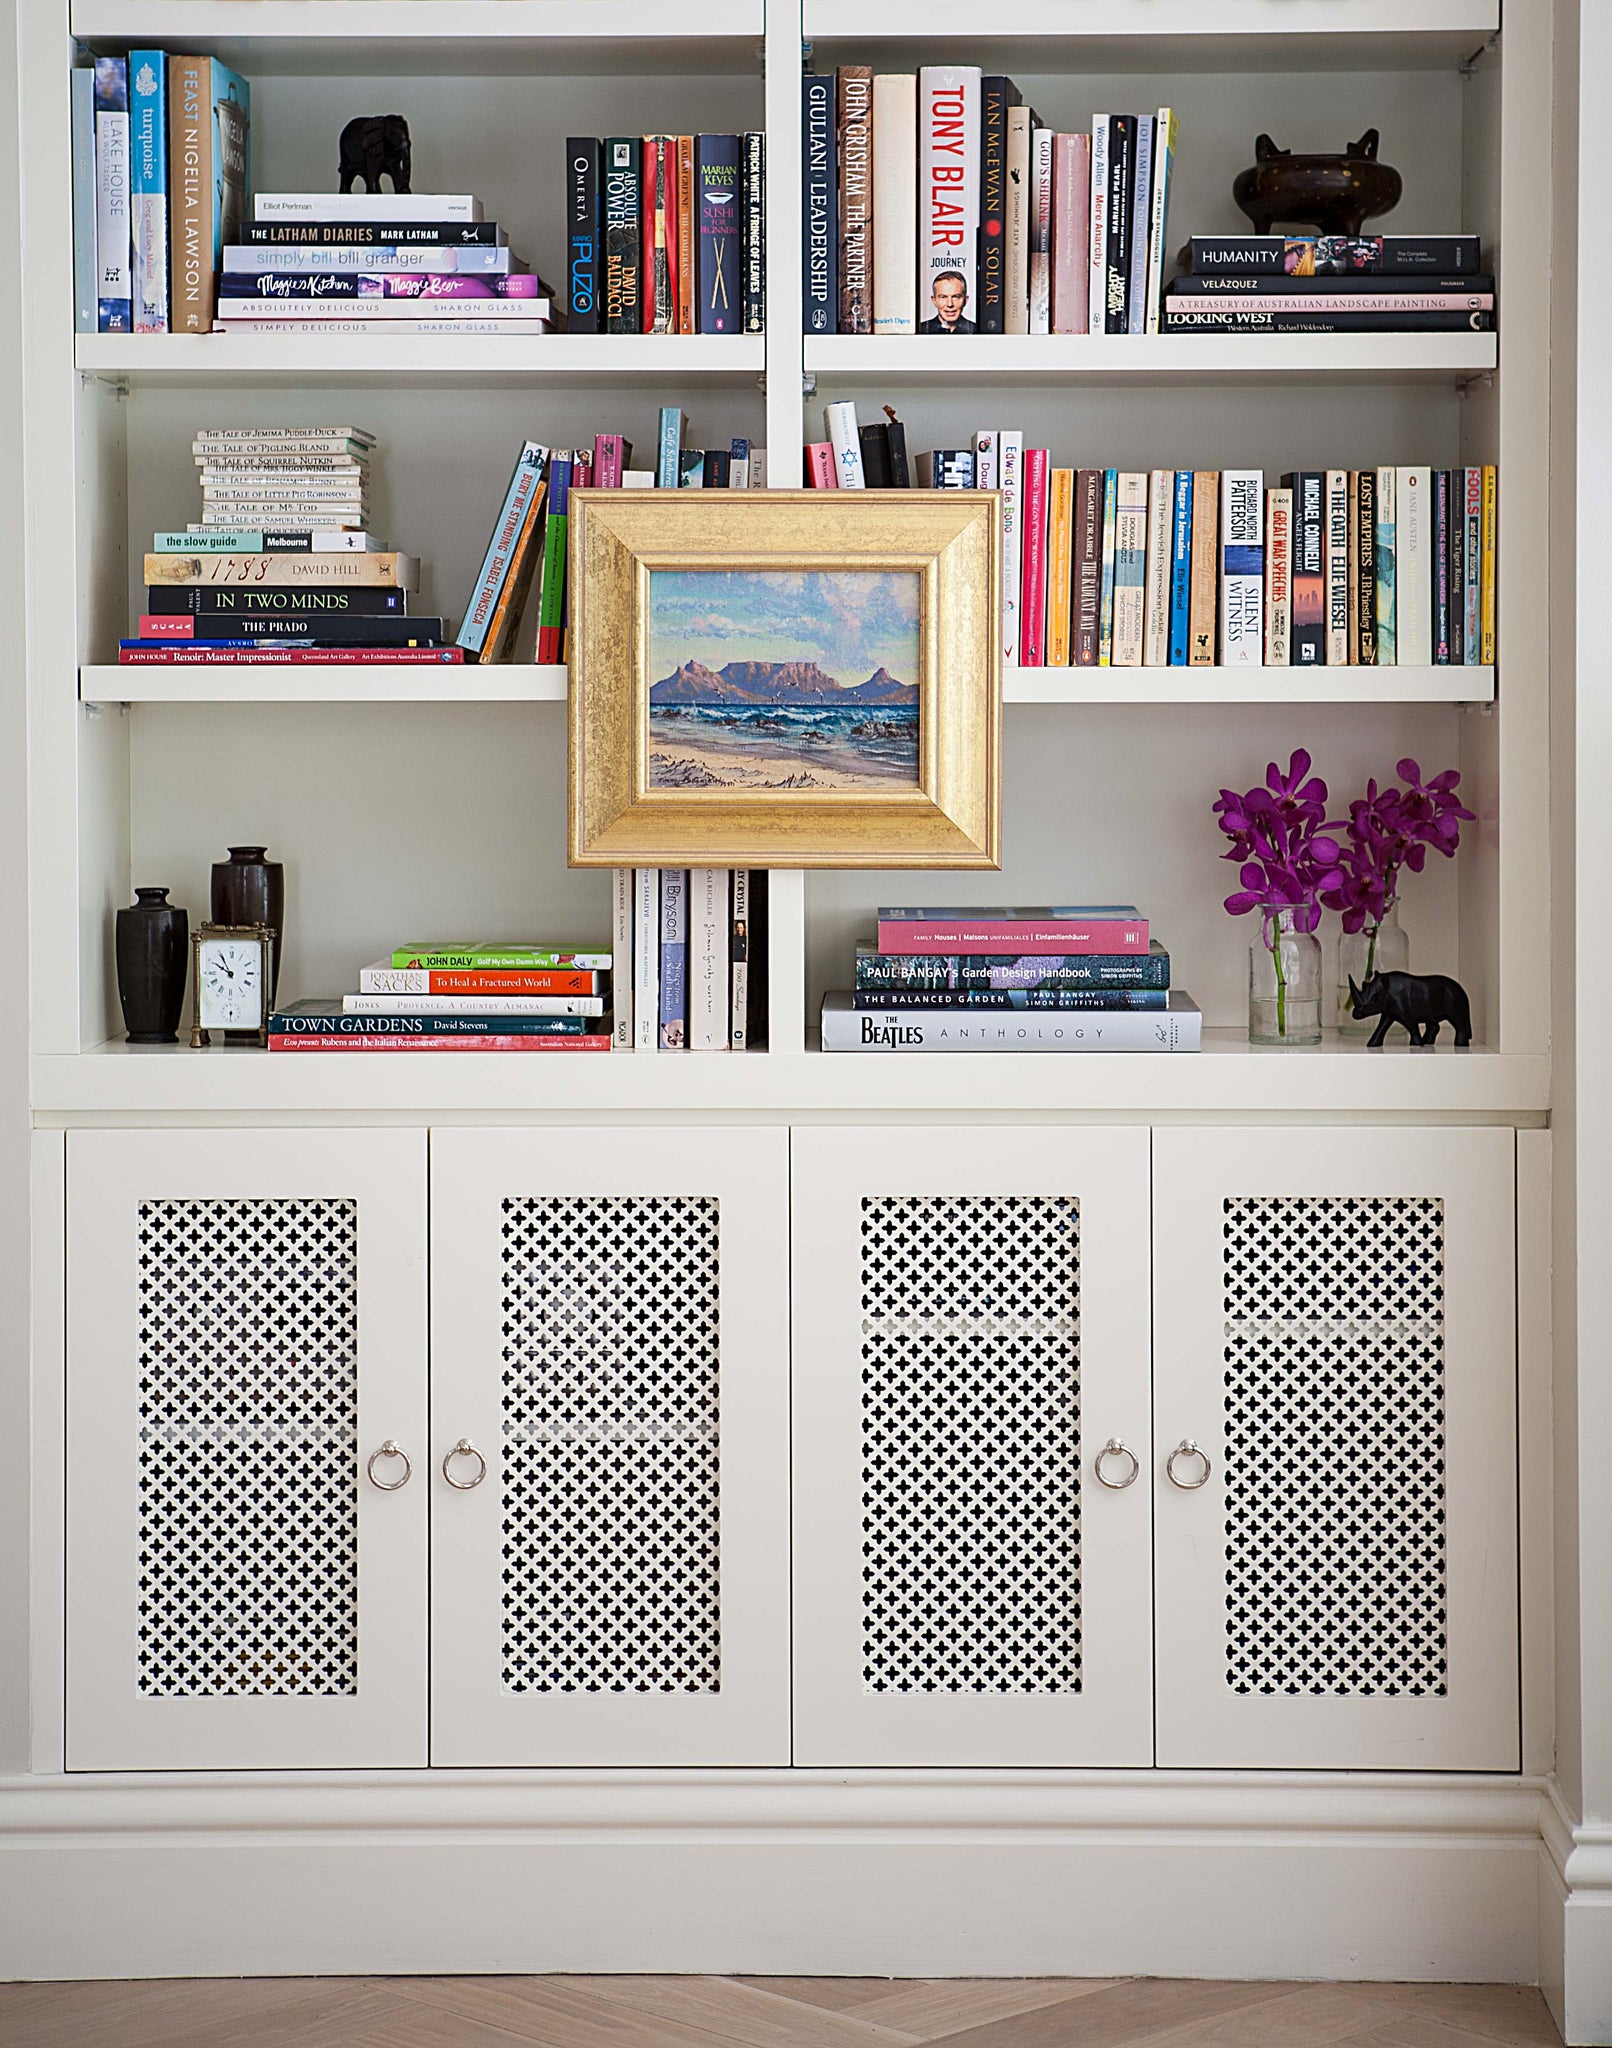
1179 1028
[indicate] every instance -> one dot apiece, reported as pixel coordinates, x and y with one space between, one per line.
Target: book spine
1011 999
333 208
658 314
435 1042
739 961
996 935
1181 571
1097 973
1486 566
490 985
210 627
1117 222
1366 548
948 185
1158 256
1384 544
1455 530
669 448
611 453
1016 223
86 295
946 469
1033 577
840 421
852 1030
646 960
1278 578
551 594
1010 473
854 134
820 470
1071 202
875 444
1130 569
463 1011
819 199
621 901
1141 215
1413 569
316 600
1097 248
1040 272
1306 255
1242 567
1088 565
198 563
985 459
1342 296
1060 547
687 239
523 483
229 136
504 627
1337 555
1309 573
1351 486
114 290
497 959
708 964
895 203
199 655
990 313
583 164
1105 604
755 232
1440 558
1160 527
355 234
673 959
148 189
1472 568
1213 316
623 234
718 198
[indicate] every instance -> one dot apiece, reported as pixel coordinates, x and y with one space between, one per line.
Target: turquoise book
148 188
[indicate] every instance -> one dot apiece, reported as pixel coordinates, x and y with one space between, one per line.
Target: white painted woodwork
113 1723
874 1686
477 1344
1347 1483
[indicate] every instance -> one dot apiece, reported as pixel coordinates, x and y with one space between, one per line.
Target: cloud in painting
849 621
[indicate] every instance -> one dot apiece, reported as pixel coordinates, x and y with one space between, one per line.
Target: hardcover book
621 948
718 198
1002 971
646 959
1365 557
948 196
493 953
1178 1028
820 291
1071 209
1087 570
1471 565
1040 270
1104 928
340 234
1413 577
623 234
1060 547
1141 214
1010 482
658 248
551 592
1323 255
1033 573
1166 128
1105 601
708 959
393 207
997 95
1011 999
318 565
380 978
209 157
1117 222
854 135
1016 221
584 159
525 480
1387 646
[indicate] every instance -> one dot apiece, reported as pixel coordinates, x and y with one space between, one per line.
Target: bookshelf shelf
1248 685
1228 1075
1148 358
224 359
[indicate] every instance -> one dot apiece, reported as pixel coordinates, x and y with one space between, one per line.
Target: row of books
527 551
1189 568
161 169
1331 284
467 997
314 279
941 204
666 234
282 561
1064 979
689 952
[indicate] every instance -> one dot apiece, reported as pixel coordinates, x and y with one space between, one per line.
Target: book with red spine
381 978
201 655
1071 215
611 455
1104 928
822 472
658 264
1033 585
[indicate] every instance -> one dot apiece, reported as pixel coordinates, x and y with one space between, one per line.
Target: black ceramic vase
249 888
153 956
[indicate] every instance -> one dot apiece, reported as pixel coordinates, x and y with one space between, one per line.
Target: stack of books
1331 284
1046 980
666 234
690 959
281 564
527 549
1183 568
476 997
941 204
345 262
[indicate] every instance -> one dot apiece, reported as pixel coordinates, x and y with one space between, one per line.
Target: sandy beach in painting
700 747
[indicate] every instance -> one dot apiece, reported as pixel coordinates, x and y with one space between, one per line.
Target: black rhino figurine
1420 1002
372 144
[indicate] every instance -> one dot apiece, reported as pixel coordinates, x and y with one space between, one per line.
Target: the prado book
854 136
1308 641
895 203
997 96
948 196
1083 928
1242 568
820 207
209 173
1179 1028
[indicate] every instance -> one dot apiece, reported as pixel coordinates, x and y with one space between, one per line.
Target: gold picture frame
930 564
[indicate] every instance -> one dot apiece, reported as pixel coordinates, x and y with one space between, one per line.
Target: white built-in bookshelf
412 803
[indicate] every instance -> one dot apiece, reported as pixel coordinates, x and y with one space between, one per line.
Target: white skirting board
834 1874
1575 1923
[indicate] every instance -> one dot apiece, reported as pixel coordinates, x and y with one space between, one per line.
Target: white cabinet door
971 1329
610 1576
246 1328
1334 1330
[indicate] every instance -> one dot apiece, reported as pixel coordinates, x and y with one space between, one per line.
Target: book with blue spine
1181 570
148 188
1010 999
669 448
1004 971
528 472
86 319
819 199
1105 614
1141 219
328 1017
673 959
114 288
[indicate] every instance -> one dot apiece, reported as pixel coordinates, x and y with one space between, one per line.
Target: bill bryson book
1103 928
1177 1028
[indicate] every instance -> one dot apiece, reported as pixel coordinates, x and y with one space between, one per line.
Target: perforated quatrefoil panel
970 1443
1334 1460
610 1444
248 1393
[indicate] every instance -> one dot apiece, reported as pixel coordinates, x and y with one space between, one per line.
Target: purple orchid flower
1282 843
1390 830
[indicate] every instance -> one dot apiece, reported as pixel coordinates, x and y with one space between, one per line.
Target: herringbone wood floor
764 2012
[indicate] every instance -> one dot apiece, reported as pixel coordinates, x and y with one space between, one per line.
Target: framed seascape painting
785 679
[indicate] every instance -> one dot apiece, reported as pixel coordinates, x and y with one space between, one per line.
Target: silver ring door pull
389 1450
1116 1447
1186 1449
464 1448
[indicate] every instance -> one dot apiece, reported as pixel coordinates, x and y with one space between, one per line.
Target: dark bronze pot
1335 195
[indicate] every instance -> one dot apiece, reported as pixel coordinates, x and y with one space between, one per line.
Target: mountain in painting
780 683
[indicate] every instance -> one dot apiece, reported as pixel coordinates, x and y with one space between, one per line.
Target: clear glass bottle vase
1379 948
1284 982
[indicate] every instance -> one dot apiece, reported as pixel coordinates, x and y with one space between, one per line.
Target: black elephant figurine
371 144
1420 1002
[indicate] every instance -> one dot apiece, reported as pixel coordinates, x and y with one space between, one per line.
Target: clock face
231 984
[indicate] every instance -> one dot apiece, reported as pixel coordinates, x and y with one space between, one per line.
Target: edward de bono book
1107 928
1179 1028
